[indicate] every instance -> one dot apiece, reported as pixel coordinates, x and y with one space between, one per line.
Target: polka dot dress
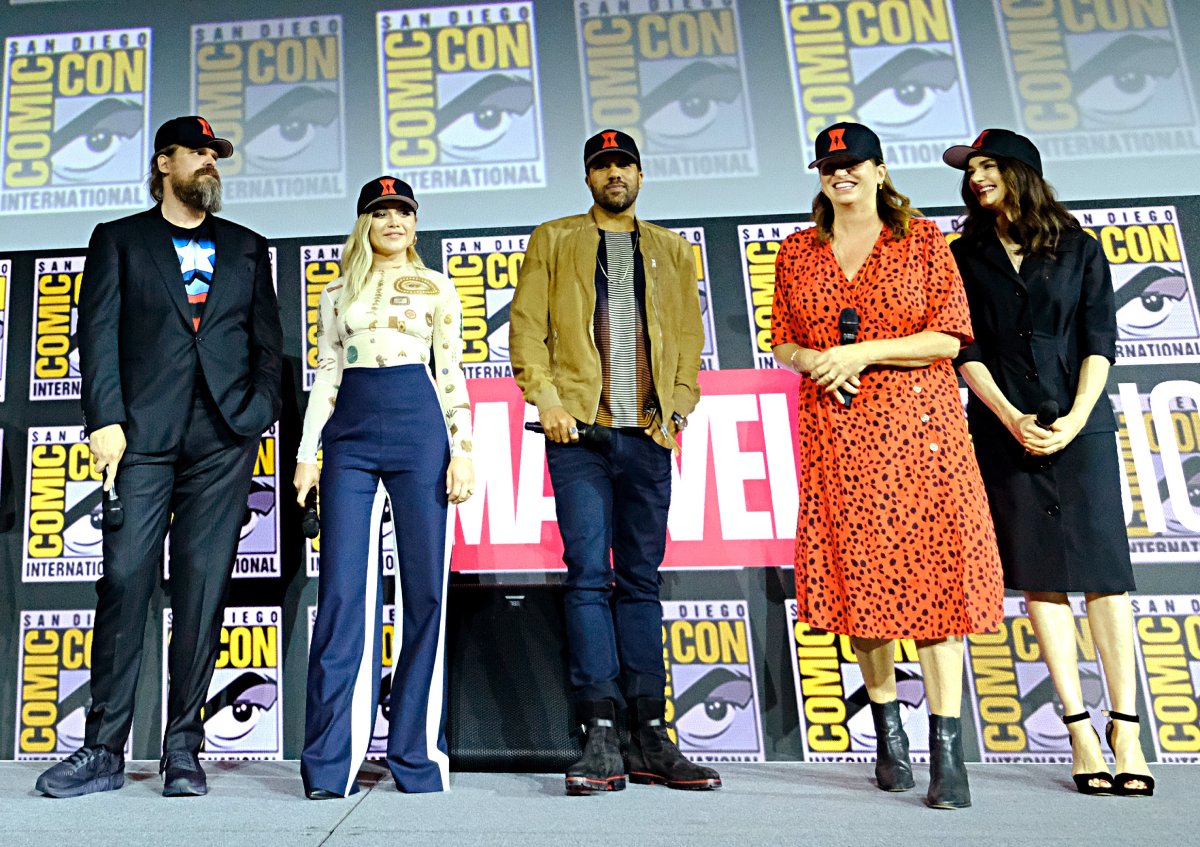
893 537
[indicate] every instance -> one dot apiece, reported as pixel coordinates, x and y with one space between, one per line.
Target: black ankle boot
893 770
653 757
948 786
601 767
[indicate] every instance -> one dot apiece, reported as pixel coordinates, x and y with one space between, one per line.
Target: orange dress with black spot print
894 538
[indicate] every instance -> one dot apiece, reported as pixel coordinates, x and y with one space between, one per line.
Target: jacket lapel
157 237
585 259
993 252
221 263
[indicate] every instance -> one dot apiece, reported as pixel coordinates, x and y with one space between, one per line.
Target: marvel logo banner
734 491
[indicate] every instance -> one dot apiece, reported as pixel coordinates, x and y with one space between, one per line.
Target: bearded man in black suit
181 356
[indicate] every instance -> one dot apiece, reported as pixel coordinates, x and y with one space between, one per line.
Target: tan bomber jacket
551 343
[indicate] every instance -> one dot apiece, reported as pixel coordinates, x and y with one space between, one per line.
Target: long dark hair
893 208
1037 221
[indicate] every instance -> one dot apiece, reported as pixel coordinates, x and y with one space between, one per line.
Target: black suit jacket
138 352
1033 329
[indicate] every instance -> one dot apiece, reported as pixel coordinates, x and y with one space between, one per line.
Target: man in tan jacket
605 340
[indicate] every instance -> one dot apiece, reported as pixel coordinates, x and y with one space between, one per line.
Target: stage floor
260 804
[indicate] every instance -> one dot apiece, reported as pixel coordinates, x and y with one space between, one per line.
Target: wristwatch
679 420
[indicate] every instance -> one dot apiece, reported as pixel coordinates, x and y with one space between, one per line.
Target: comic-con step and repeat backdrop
747 681
464 98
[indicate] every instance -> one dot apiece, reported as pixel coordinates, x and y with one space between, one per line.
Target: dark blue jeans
612 508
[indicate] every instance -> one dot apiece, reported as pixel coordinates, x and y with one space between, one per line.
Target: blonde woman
387 411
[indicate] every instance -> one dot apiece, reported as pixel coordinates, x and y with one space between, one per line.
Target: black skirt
1060 525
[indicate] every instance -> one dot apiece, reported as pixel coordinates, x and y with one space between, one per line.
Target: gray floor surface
260 804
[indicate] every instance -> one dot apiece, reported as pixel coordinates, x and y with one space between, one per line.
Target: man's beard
608 204
199 192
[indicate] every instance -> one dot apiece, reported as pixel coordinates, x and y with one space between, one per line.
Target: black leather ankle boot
601 767
893 770
653 757
948 786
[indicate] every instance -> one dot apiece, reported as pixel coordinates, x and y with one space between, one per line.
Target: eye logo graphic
711 686
485 273
274 87
1092 83
258 553
675 80
459 97
74 121
694 236
1167 649
832 701
55 661
320 264
54 360
1017 714
62 508
243 711
896 67
759 245
836 142
1158 319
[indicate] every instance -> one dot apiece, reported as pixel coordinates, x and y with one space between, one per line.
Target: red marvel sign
734 493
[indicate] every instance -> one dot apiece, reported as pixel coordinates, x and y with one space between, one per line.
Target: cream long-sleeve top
401 317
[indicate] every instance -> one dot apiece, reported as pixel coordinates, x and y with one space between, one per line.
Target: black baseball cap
848 140
385 189
608 141
995 142
191 131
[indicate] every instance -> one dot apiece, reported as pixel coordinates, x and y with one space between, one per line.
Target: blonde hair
357 256
892 207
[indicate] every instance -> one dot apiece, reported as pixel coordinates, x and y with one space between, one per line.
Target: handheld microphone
114 512
310 522
848 332
1047 413
595 436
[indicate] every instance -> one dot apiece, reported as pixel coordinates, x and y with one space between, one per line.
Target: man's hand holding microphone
107 445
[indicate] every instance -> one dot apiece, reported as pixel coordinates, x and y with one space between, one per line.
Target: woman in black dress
1041 303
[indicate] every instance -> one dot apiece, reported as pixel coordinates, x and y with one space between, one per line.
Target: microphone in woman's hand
847 334
310 522
1047 413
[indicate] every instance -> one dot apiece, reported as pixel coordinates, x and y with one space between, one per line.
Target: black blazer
138 352
1033 329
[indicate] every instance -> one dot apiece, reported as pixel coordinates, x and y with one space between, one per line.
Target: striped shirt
627 395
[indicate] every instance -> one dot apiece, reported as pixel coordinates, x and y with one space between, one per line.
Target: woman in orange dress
894 539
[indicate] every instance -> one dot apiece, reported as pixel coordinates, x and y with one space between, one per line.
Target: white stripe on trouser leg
362 705
433 715
433 704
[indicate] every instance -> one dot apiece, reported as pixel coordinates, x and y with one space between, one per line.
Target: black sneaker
86 771
182 775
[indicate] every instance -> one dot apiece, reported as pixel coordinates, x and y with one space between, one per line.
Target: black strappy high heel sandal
1121 782
1083 781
